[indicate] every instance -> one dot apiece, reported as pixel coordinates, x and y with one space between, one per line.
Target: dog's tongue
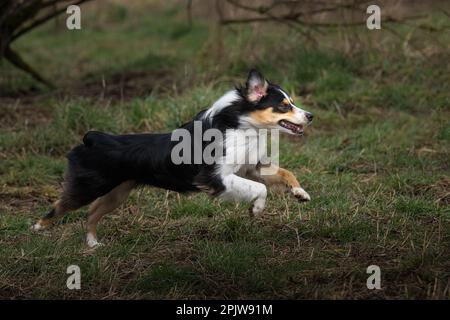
291 126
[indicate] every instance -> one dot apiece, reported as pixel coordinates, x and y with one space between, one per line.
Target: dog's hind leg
74 196
102 206
60 207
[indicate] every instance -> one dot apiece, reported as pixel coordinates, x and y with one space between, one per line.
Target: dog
105 168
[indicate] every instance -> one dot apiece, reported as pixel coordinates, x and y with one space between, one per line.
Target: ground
375 162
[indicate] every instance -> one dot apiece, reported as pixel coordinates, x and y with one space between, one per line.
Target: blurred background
133 48
375 161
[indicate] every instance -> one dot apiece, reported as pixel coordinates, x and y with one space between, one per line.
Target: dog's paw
257 208
38 227
92 243
301 194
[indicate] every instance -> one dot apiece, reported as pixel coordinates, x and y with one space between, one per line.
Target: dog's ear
256 86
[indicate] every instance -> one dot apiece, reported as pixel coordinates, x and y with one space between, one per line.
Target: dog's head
271 107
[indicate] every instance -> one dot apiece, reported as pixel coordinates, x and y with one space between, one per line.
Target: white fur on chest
244 149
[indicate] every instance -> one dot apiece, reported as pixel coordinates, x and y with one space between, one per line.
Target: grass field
376 163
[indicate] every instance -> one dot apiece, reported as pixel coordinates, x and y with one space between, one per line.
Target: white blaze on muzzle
299 114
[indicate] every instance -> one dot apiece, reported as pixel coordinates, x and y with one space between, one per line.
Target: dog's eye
284 107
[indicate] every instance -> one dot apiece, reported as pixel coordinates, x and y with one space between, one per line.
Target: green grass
375 161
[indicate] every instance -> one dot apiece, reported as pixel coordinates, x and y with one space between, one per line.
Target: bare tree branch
20 17
17 60
189 11
44 19
296 15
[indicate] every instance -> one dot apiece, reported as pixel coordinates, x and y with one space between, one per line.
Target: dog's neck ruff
225 101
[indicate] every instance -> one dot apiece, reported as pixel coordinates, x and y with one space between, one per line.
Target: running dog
105 168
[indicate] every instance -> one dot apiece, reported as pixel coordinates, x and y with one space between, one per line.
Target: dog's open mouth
295 128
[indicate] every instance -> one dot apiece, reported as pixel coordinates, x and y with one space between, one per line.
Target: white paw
92 242
37 227
258 207
301 194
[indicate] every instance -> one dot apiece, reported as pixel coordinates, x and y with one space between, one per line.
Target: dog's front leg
273 175
241 189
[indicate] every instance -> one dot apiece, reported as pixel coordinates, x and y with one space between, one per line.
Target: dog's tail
99 139
93 171
94 167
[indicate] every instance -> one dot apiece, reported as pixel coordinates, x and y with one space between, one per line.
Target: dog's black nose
309 116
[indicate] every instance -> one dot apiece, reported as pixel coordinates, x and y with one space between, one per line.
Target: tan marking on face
267 117
285 101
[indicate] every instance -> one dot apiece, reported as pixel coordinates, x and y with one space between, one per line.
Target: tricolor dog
105 168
